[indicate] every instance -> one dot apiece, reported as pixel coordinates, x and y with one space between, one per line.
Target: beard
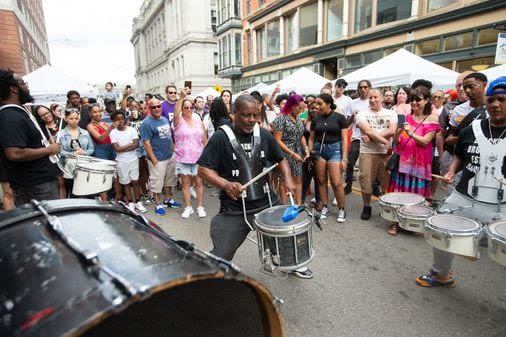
25 97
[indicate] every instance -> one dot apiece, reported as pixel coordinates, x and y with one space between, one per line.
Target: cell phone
401 119
188 84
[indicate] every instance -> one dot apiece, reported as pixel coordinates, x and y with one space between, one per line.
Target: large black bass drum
80 268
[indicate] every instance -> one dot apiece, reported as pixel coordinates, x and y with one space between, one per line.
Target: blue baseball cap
497 86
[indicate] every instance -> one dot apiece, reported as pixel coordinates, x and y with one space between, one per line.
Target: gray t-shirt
379 121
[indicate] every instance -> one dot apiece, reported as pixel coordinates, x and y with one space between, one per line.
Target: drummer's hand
366 139
233 189
297 158
449 177
54 148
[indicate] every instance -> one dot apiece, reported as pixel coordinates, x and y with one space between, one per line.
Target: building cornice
401 28
260 13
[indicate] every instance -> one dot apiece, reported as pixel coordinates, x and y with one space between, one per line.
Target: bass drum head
497 230
402 198
270 220
453 223
146 283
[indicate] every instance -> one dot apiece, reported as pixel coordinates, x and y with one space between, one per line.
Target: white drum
453 233
389 203
412 217
90 159
496 236
93 178
69 166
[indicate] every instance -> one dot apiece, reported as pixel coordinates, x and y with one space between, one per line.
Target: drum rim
476 230
388 203
297 227
107 168
492 234
406 215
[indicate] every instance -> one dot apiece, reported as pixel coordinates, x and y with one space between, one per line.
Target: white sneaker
341 215
187 212
193 193
201 212
131 206
140 207
324 212
334 202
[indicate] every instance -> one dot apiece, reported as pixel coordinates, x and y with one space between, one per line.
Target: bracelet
410 133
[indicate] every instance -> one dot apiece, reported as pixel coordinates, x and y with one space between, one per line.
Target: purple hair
292 101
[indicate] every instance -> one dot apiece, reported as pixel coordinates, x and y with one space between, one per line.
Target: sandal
394 229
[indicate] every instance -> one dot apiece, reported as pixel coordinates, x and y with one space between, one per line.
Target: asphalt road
364 280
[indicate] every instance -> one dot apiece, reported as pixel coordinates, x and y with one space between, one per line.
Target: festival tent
208 91
260 87
302 81
50 85
495 72
402 67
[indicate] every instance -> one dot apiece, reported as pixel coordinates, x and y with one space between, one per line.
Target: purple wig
292 101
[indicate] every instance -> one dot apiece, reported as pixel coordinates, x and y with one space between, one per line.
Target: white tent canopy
402 67
303 81
208 91
260 87
49 85
495 72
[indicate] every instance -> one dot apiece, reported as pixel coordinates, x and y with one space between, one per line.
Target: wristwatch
410 133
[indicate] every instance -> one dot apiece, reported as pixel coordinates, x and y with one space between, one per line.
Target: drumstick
59 131
503 182
259 176
438 176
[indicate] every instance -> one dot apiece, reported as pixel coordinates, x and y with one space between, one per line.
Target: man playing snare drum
228 167
481 155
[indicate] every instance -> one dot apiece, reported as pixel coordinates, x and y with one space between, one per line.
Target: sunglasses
155 106
415 98
343 86
187 107
364 87
172 92
71 110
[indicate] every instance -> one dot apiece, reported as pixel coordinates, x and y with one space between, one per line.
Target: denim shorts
104 151
186 169
330 152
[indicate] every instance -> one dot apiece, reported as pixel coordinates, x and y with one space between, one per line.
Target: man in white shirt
358 104
377 125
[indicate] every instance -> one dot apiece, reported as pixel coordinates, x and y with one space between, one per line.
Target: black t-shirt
333 122
17 130
217 155
468 151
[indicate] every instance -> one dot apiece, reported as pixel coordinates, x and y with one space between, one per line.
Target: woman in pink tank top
190 139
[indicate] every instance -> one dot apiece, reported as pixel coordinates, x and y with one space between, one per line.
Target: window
261 43
291 33
213 21
459 41
308 25
363 15
372 56
392 10
250 48
216 63
436 4
354 61
238 54
428 47
237 9
273 38
477 64
487 36
226 51
223 15
335 20
389 51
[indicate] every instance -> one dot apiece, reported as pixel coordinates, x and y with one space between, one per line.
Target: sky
90 39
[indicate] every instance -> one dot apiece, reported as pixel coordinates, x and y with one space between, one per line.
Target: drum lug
448 239
103 179
88 178
493 247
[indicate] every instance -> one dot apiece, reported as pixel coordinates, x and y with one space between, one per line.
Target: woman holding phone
414 145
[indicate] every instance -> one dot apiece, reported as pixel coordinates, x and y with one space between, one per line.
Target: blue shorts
186 169
104 151
330 152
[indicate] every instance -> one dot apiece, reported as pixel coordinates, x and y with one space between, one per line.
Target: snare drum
496 236
454 234
289 245
142 282
389 203
69 166
412 217
92 178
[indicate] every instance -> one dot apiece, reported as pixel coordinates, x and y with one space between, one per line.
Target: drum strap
486 186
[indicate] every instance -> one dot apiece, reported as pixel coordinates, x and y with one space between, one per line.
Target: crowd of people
188 141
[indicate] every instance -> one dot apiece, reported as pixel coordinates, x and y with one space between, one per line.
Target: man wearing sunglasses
157 139
23 153
169 103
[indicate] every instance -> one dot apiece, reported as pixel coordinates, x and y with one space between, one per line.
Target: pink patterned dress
415 165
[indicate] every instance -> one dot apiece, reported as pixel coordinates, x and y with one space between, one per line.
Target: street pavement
364 280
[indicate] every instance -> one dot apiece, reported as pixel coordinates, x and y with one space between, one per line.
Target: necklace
492 139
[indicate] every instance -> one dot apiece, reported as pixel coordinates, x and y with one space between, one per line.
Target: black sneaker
347 189
366 213
307 273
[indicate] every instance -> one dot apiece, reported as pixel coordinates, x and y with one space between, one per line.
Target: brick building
24 45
